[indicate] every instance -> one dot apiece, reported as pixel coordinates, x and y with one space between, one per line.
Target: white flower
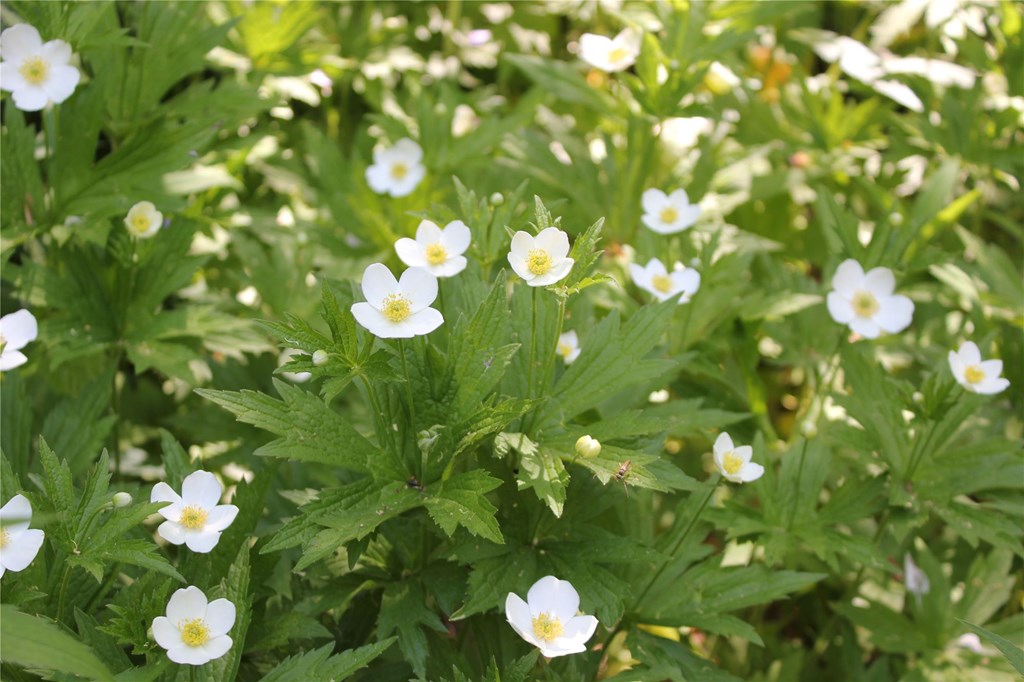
734 463
16 330
548 620
654 278
284 358
194 631
866 303
195 519
437 251
975 374
540 260
720 79
568 346
398 309
143 220
18 543
37 73
668 213
914 578
611 54
396 170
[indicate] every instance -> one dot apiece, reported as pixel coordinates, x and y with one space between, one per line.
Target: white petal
451 267
653 200
172 512
687 217
405 186
378 177
687 280
408 151
989 386
744 452
880 282
519 267
203 541
16 514
653 222
187 603
31 99
56 52
166 633
217 647
61 83
580 629
723 444
639 275
849 278
164 493
561 647
894 313
423 322
554 241
378 283
751 471
957 367
839 308
10 77
371 319
427 233
569 338
656 267
18 328
220 617
201 488
220 517
522 244
551 595
969 353
991 368
899 93
10 359
420 287
629 39
20 41
172 532
21 549
679 199
188 655
517 612
559 271
594 50
457 237
410 252
865 327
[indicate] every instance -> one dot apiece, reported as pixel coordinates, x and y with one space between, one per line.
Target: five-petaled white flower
396 170
194 631
548 620
37 73
654 278
398 309
668 213
19 544
143 220
568 346
540 260
437 251
734 462
975 374
611 54
17 329
865 301
195 518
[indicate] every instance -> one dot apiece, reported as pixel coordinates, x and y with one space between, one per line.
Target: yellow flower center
396 307
865 304
194 632
565 350
668 214
5 537
3 342
399 171
140 223
547 628
617 55
662 283
436 254
974 374
731 463
193 517
539 262
34 70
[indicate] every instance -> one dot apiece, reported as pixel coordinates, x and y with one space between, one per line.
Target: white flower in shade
611 54
975 374
194 631
196 518
19 544
540 260
654 278
396 170
568 346
734 462
548 618
398 309
143 220
914 578
437 251
668 213
36 73
16 330
865 301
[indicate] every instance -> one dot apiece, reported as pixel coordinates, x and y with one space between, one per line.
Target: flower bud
497 199
588 447
320 358
121 499
809 429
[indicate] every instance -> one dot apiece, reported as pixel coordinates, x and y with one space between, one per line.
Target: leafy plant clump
511 341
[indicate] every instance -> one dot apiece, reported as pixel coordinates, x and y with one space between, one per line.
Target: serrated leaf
403 610
461 501
540 469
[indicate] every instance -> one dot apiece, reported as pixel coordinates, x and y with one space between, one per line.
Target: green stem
533 341
63 593
799 475
412 407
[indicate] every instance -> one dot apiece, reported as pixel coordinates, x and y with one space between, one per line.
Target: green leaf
36 643
461 501
1014 654
234 588
320 665
540 469
404 611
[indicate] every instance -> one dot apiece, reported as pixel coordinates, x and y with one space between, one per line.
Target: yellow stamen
617 55
396 307
974 374
194 632
865 304
34 70
436 254
5 537
731 463
662 283
193 517
547 628
538 261
565 350
668 214
140 223
399 171
3 342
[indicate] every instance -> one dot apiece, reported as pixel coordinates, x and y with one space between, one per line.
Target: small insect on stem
415 484
621 474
